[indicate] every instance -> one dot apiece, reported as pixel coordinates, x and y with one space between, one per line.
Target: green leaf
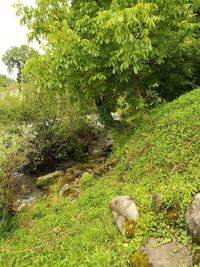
135 69
118 36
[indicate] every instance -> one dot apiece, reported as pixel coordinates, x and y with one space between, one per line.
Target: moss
172 215
46 180
196 257
140 260
106 167
130 228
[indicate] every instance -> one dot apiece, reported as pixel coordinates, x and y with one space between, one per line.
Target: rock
115 116
23 185
86 180
108 146
76 182
123 209
169 255
65 191
139 260
196 256
101 147
156 199
48 179
192 218
20 204
119 220
85 174
125 206
76 173
172 215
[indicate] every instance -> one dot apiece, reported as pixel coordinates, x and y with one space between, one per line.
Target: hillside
161 156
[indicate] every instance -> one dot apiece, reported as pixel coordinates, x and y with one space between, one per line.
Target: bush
59 127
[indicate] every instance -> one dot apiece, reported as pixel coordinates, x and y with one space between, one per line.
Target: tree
16 57
105 49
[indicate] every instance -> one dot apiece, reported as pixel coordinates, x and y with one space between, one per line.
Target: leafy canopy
105 50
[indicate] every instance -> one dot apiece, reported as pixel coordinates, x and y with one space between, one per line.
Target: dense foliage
161 156
59 129
103 50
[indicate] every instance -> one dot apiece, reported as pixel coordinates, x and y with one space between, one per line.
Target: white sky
11 33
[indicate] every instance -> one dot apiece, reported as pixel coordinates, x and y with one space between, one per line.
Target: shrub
59 127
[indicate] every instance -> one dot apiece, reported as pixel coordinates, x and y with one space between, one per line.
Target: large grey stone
169 255
123 208
192 218
119 220
20 204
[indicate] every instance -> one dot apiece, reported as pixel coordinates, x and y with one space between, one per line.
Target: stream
25 190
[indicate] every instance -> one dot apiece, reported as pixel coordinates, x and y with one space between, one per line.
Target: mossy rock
140 260
130 228
86 179
172 215
196 257
171 254
46 180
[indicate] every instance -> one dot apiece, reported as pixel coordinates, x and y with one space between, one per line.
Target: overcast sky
11 33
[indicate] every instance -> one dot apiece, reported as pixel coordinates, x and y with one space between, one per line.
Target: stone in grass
169 255
48 179
119 220
192 218
65 191
23 203
124 211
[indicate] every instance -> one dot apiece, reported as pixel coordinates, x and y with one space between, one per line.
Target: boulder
169 255
65 191
48 179
192 218
23 203
123 209
119 220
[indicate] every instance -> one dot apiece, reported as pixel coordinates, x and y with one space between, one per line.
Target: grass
161 156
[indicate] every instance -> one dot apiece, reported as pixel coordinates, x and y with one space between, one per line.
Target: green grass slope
161 156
